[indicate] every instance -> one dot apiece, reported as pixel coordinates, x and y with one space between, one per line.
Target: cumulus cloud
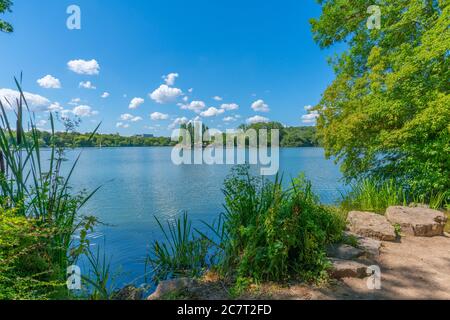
217 98
126 117
129 117
135 103
87 85
55 107
170 78
178 121
159 116
35 102
230 106
257 119
308 108
165 94
80 66
229 119
191 90
195 106
122 125
260 106
105 95
212 112
84 111
311 117
75 101
136 119
49 82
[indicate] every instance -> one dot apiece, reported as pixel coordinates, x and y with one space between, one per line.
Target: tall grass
35 188
377 195
182 253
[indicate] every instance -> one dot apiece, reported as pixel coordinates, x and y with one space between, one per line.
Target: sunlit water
139 184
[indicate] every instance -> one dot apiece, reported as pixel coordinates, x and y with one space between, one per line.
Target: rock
128 293
171 286
370 225
418 221
370 247
344 252
347 269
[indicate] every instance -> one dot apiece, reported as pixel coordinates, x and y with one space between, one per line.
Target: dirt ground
413 268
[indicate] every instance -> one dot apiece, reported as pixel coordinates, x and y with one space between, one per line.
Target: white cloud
178 121
165 94
129 117
35 102
212 112
105 95
55 107
191 90
257 119
308 108
170 78
260 106
230 106
75 101
84 111
136 119
185 98
49 82
122 125
195 106
41 123
159 116
126 117
310 118
229 119
87 85
84 67
135 103
217 98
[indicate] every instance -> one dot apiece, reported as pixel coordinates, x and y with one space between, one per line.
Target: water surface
141 183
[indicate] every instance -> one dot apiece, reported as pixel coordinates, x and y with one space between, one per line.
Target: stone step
372 225
417 221
348 269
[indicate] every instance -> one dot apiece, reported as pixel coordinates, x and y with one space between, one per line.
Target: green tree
387 113
5 6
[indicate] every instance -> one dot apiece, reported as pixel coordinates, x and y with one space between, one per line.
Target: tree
387 113
5 6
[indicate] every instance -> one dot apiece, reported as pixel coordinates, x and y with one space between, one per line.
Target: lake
139 184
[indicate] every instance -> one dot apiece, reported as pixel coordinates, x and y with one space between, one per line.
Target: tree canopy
5 6
387 113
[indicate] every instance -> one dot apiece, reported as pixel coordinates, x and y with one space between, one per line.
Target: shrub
26 269
270 234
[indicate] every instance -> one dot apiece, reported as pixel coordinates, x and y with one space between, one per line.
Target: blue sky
248 53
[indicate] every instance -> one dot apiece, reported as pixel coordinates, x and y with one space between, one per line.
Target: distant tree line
289 137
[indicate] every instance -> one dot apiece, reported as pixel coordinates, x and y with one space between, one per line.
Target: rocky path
408 245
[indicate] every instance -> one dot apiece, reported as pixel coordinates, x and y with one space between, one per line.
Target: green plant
373 195
35 189
99 282
386 114
270 234
183 253
26 270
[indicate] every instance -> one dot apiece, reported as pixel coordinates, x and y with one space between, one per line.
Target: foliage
184 252
270 234
289 136
26 268
5 6
36 191
387 115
